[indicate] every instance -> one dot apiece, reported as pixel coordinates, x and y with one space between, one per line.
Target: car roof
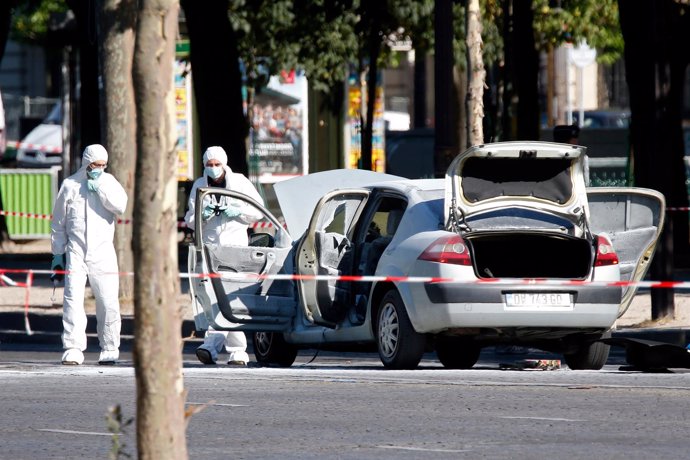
298 197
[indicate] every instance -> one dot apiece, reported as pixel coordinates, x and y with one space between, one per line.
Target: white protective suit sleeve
112 194
191 203
58 228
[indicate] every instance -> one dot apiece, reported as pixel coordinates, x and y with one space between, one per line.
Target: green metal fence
29 191
608 172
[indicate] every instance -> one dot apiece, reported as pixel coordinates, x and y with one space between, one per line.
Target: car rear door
633 219
327 250
234 287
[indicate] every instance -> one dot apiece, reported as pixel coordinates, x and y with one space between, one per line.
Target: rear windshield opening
545 178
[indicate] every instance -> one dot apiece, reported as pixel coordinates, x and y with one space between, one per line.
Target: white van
42 147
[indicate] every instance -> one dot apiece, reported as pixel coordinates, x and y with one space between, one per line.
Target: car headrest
394 218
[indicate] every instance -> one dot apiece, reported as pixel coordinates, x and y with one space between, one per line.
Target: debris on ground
533 364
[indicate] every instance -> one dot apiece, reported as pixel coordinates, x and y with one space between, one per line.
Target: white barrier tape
119 221
398 279
30 146
27 293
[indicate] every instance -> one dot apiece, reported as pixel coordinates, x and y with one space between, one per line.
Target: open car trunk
523 254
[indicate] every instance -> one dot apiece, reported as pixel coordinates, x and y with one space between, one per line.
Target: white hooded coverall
83 228
220 230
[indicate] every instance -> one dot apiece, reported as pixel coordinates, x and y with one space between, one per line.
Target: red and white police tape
397 279
119 221
40 147
6 281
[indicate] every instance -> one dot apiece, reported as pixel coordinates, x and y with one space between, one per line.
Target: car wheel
589 356
399 345
271 348
456 353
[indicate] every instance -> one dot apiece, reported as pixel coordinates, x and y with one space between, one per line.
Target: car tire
399 345
271 348
589 356
455 353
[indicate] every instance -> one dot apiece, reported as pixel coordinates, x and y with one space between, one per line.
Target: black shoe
204 356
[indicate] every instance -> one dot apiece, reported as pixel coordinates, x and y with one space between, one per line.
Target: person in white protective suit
82 231
225 222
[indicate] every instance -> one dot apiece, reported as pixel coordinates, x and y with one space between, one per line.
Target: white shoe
72 357
108 357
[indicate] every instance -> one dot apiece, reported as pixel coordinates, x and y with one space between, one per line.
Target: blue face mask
214 172
95 173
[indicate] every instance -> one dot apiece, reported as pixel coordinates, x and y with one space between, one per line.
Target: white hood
298 197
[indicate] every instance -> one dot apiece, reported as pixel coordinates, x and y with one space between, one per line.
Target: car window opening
544 178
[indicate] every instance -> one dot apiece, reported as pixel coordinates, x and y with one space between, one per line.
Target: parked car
410 153
510 248
603 119
42 147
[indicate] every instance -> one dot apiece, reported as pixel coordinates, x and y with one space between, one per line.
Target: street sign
582 55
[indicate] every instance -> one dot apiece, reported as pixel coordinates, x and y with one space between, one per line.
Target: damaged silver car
510 248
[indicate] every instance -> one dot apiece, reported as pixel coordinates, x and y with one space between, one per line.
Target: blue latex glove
93 185
231 211
58 263
208 211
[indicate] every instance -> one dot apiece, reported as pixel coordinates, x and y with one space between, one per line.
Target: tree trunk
525 72
445 120
217 79
476 75
655 35
372 80
117 20
458 111
158 343
88 109
6 7
508 130
420 116
5 20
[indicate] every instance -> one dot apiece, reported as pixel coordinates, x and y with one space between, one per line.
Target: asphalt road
349 407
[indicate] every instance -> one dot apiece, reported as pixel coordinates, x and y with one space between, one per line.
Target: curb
48 328
673 336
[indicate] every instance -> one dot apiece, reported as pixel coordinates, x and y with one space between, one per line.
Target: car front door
235 286
327 250
633 219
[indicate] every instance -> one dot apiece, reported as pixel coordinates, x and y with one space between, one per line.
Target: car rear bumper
440 306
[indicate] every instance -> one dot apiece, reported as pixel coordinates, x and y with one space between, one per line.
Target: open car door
633 219
230 284
327 249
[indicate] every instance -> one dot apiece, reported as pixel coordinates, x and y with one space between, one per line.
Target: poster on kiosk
278 147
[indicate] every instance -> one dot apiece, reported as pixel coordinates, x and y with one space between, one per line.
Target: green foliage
595 21
325 32
31 18
316 36
262 28
116 426
416 20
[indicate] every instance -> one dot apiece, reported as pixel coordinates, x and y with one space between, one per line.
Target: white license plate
538 299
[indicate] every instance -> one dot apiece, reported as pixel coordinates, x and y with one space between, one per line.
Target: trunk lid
511 181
